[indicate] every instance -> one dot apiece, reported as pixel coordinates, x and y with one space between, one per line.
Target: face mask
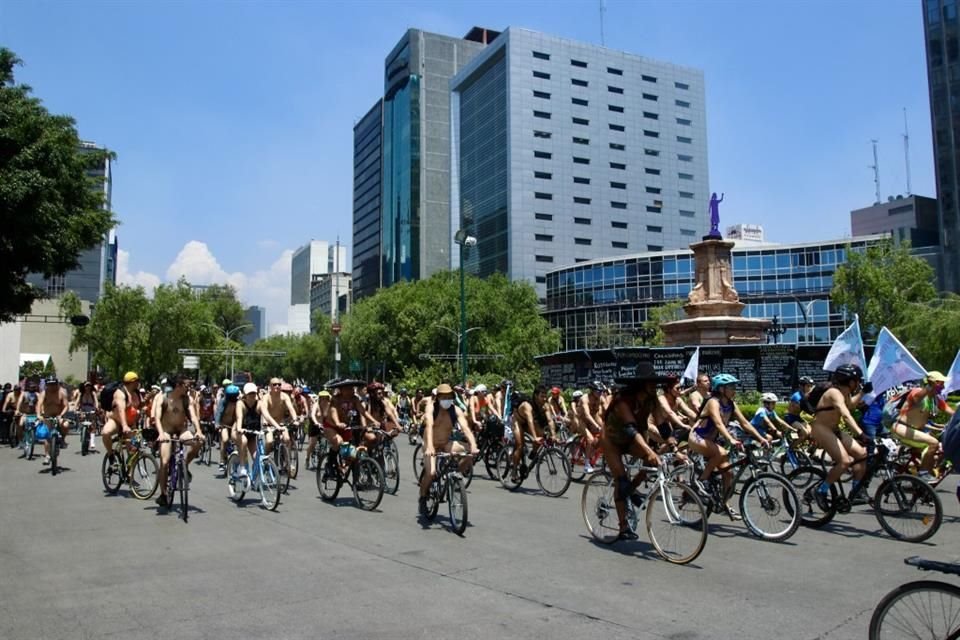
446 404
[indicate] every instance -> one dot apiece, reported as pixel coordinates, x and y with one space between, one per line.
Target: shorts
622 438
314 431
790 418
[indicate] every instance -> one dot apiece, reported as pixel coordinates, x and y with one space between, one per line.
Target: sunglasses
275 384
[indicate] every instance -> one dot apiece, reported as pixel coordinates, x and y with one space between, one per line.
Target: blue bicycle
263 475
28 437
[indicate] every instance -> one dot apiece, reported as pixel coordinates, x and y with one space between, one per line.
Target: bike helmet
769 397
577 394
847 372
596 385
403 391
232 391
555 391
131 376
374 386
52 380
480 388
723 379
226 382
207 391
806 380
305 390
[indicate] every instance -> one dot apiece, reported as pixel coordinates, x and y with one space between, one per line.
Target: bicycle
490 441
264 476
208 434
177 477
549 461
28 437
578 457
352 464
87 422
53 437
900 501
448 485
286 458
131 463
386 455
675 519
922 609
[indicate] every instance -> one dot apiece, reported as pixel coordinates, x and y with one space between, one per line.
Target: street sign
335 327
191 362
355 366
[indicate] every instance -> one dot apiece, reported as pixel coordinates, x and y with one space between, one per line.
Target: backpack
891 409
809 404
950 440
106 395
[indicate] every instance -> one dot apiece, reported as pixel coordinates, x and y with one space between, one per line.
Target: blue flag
847 349
892 364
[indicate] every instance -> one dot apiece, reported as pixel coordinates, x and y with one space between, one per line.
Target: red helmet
375 386
555 391
286 387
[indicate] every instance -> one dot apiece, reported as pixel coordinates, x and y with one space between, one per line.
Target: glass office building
366 202
601 303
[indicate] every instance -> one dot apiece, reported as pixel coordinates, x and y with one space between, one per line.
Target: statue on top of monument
715 216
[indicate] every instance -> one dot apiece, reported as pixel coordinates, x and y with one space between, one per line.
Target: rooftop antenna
906 149
603 9
876 170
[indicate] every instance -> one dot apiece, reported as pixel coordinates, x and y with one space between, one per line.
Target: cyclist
249 417
558 405
53 403
9 410
482 413
347 411
916 408
206 409
319 423
123 411
225 418
798 403
415 411
27 407
714 416
383 412
699 392
829 409
172 413
277 407
588 410
403 405
530 416
766 419
438 435
625 422
678 416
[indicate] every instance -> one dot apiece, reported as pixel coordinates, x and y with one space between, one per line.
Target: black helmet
596 385
52 380
806 380
847 372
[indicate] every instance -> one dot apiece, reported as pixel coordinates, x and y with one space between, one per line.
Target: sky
233 121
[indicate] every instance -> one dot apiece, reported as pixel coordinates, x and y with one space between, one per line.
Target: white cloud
143 279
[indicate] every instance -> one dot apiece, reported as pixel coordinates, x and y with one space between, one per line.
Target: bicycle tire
895 505
84 439
457 503
417 460
184 482
598 509
553 472
490 460
235 488
54 452
670 518
111 472
269 485
143 476
576 456
805 481
29 441
329 480
367 483
391 470
282 460
293 456
776 514
917 599
207 453
505 469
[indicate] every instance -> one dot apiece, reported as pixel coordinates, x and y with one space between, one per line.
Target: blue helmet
232 391
305 390
43 431
722 379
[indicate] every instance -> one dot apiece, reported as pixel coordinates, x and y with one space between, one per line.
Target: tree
880 283
225 309
932 331
178 319
50 209
668 312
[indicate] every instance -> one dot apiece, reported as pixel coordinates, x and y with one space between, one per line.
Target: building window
541 74
618 225
616 72
582 121
542 237
686 213
684 121
615 108
541 279
541 56
651 134
614 89
618 205
651 116
651 152
544 258
577 160
686 194
579 83
539 195
655 190
580 102
651 171
618 165
541 114
541 94
652 209
579 180
685 176
581 220
586 241
578 63
543 175
654 247
684 139
648 78
547 217
617 127
650 97
681 85
580 200
577 140
682 157
619 245
543 155
618 147
542 134
652 228
618 185
687 232
682 103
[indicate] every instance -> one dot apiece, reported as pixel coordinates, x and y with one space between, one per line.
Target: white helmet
769 397
249 388
577 394
480 388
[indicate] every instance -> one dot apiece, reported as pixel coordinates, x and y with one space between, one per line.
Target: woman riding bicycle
716 413
832 406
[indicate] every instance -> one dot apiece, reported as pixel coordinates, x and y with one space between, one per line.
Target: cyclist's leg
109 430
429 470
517 442
165 453
191 442
858 455
918 440
830 443
268 442
224 439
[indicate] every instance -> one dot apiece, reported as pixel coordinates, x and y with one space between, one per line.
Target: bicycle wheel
84 439
54 453
598 508
111 472
184 485
676 523
505 470
490 460
576 457
269 484
922 609
328 480
282 460
28 442
770 507
391 469
553 472
457 503
367 483
813 513
417 460
144 473
908 508
235 486
207 453
293 456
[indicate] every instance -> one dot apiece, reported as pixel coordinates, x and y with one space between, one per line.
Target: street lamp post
226 336
456 334
464 240
775 330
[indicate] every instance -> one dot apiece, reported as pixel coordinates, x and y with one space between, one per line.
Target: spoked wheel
293 456
111 472
770 507
144 476
367 483
598 508
54 453
328 480
84 438
676 523
922 609
208 450
433 500
184 490
490 461
815 511
553 472
29 441
457 503
391 468
908 508
576 457
269 485
235 483
505 470
417 460
283 465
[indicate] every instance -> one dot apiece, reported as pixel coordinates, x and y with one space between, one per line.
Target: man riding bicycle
123 412
917 408
225 418
172 413
530 416
53 404
440 422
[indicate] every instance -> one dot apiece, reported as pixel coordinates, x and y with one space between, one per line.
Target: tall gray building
415 201
256 316
565 152
942 36
366 201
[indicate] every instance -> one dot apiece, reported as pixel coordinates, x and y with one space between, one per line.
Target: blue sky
233 120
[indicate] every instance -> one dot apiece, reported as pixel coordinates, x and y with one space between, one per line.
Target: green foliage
225 310
667 312
308 358
932 331
177 319
880 284
116 335
50 209
37 369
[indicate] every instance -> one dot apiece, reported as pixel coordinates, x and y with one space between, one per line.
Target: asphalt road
76 563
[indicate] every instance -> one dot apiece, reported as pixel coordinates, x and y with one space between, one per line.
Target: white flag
847 349
953 376
892 364
693 367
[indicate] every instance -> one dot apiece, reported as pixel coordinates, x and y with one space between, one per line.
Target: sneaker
422 506
222 468
243 472
926 476
588 468
823 499
46 460
732 513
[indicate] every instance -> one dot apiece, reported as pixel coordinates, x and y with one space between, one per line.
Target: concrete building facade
330 294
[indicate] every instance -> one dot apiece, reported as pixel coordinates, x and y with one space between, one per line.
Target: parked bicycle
922 609
351 464
262 475
133 463
449 485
